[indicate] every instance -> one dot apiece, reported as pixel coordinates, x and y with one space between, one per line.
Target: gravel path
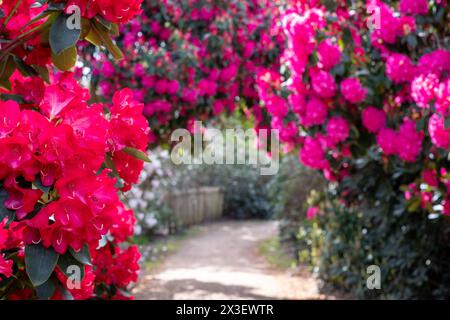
221 262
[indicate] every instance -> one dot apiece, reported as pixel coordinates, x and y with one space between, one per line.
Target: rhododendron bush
366 100
63 160
367 86
193 60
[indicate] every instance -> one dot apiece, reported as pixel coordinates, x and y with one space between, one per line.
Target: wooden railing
195 206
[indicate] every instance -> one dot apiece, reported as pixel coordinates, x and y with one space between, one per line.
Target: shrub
411 250
63 160
192 60
289 191
366 84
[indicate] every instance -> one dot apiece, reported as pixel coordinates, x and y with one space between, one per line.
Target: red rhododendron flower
114 11
5 267
21 200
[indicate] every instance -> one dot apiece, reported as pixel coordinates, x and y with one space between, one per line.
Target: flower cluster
54 149
193 59
365 88
63 161
114 11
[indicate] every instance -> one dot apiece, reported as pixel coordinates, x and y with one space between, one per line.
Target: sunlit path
222 262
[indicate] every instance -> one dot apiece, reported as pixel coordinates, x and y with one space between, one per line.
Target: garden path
222 261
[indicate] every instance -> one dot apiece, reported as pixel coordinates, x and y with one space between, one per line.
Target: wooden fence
194 206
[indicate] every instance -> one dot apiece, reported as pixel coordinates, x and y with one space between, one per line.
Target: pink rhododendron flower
312 212
337 129
297 103
323 83
430 177
373 119
399 68
108 69
443 98
435 62
329 55
352 90
148 81
423 89
312 154
440 136
414 6
390 26
139 70
277 106
189 95
409 141
207 87
315 113
172 87
161 86
446 209
387 140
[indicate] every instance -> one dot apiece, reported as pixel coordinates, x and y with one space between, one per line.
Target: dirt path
221 262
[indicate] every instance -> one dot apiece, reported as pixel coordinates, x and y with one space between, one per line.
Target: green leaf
61 36
24 69
104 23
46 290
5 212
414 205
38 4
65 293
347 37
114 31
40 16
411 40
447 122
105 38
14 97
38 184
66 261
40 263
136 154
82 256
7 67
330 5
43 72
5 83
59 6
66 60
93 38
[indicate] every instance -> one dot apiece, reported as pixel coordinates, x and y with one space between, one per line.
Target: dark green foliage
289 191
412 251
